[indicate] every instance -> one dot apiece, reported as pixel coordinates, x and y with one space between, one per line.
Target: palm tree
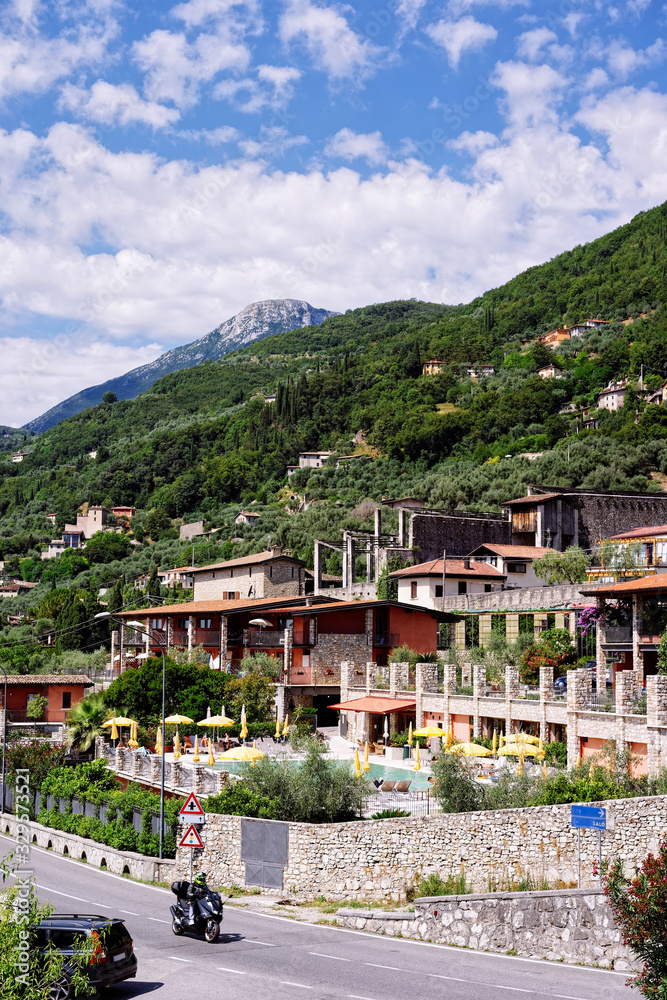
84 721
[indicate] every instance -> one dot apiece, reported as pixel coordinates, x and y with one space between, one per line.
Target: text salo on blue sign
589 817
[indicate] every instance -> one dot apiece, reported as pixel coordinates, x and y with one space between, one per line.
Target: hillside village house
422 584
554 338
433 367
61 691
88 523
613 396
247 517
265 574
515 562
550 371
124 513
18 456
642 551
180 574
313 459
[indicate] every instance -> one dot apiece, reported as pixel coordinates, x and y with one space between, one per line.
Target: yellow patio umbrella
516 749
277 736
495 742
417 766
366 766
286 726
244 725
211 755
216 720
134 743
409 739
521 738
545 773
469 750
540 749
177 746
114 729
158 740
429 731
177 719
195 757
448 740
357 765
241 753
521 769
120 720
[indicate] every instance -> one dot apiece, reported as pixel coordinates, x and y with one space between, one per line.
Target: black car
560 683
110 953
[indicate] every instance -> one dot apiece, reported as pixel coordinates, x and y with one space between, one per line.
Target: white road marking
174 959
157 920
302 986
335 958
265 943
496 986
131 912
67 895
393 968
222 968
353 996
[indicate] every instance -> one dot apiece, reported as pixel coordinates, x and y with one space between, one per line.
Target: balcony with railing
266 638
617 635
180 637
388 640
207 637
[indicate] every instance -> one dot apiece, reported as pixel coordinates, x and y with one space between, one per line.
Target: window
438 590
487 588
213 576
463 587
413 590
249 570
270 571
292 572
67 699
516 567
231 574
205 622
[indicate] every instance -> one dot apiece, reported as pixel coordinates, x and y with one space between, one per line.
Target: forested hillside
203 441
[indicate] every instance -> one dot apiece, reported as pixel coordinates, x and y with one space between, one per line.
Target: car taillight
99 955
131 946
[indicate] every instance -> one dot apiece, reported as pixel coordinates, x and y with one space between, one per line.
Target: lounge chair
403 786
387 786
379 748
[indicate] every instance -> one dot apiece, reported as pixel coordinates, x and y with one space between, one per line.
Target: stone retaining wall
98 855
570 925
378 859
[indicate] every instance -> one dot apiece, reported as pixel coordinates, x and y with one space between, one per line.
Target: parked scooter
207 912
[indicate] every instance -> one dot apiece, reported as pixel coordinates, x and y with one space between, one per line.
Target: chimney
466 562
275 550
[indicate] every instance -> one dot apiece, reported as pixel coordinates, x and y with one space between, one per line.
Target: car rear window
64 939
115 936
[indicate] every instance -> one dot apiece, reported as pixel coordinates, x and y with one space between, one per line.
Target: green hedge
94 784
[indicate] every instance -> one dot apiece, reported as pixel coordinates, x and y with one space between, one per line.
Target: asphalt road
270 958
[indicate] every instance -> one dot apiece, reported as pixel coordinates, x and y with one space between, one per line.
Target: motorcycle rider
196 890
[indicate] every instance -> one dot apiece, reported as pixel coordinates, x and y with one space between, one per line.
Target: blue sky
163 165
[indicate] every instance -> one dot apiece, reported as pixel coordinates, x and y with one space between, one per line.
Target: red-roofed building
273 573
61 691
514 562
423 584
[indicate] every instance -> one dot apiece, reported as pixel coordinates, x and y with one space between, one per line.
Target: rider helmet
200 879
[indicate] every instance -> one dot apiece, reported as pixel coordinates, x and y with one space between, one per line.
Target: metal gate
264 848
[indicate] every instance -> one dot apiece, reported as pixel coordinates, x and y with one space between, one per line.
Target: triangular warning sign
191 838
191 807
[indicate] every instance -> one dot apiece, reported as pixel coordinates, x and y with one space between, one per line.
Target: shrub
435 885
454 787
390 814
36 708
239 800
556 753
639 905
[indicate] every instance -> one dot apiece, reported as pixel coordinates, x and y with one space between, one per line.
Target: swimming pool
419 779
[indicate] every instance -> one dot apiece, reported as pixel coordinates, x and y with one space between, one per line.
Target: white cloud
458 37
530 43
596 78
273 88
408 13
349 145
623 60
532 92
273 141
116 104
211 136
572 22
329 40
37 374
196 12
176 68
457 7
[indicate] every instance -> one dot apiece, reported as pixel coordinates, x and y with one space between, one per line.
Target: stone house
514 562
247 517
179 574
273 573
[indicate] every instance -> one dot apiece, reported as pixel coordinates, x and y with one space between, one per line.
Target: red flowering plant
553 649
639 906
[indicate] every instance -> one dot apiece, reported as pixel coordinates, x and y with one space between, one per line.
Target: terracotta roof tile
455 567
67 679
254 560
645 532
535 498
514 551
647 584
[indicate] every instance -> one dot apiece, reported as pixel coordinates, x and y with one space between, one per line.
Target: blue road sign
589 817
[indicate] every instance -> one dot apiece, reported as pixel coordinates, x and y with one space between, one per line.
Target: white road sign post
191 839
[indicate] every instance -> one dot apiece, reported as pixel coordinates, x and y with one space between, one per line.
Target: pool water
419 779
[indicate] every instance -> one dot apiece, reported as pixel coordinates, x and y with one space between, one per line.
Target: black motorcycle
207 912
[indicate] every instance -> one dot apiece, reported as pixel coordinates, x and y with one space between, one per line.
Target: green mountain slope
200 439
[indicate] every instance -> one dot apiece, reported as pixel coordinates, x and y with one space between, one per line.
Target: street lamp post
4 742
137 628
